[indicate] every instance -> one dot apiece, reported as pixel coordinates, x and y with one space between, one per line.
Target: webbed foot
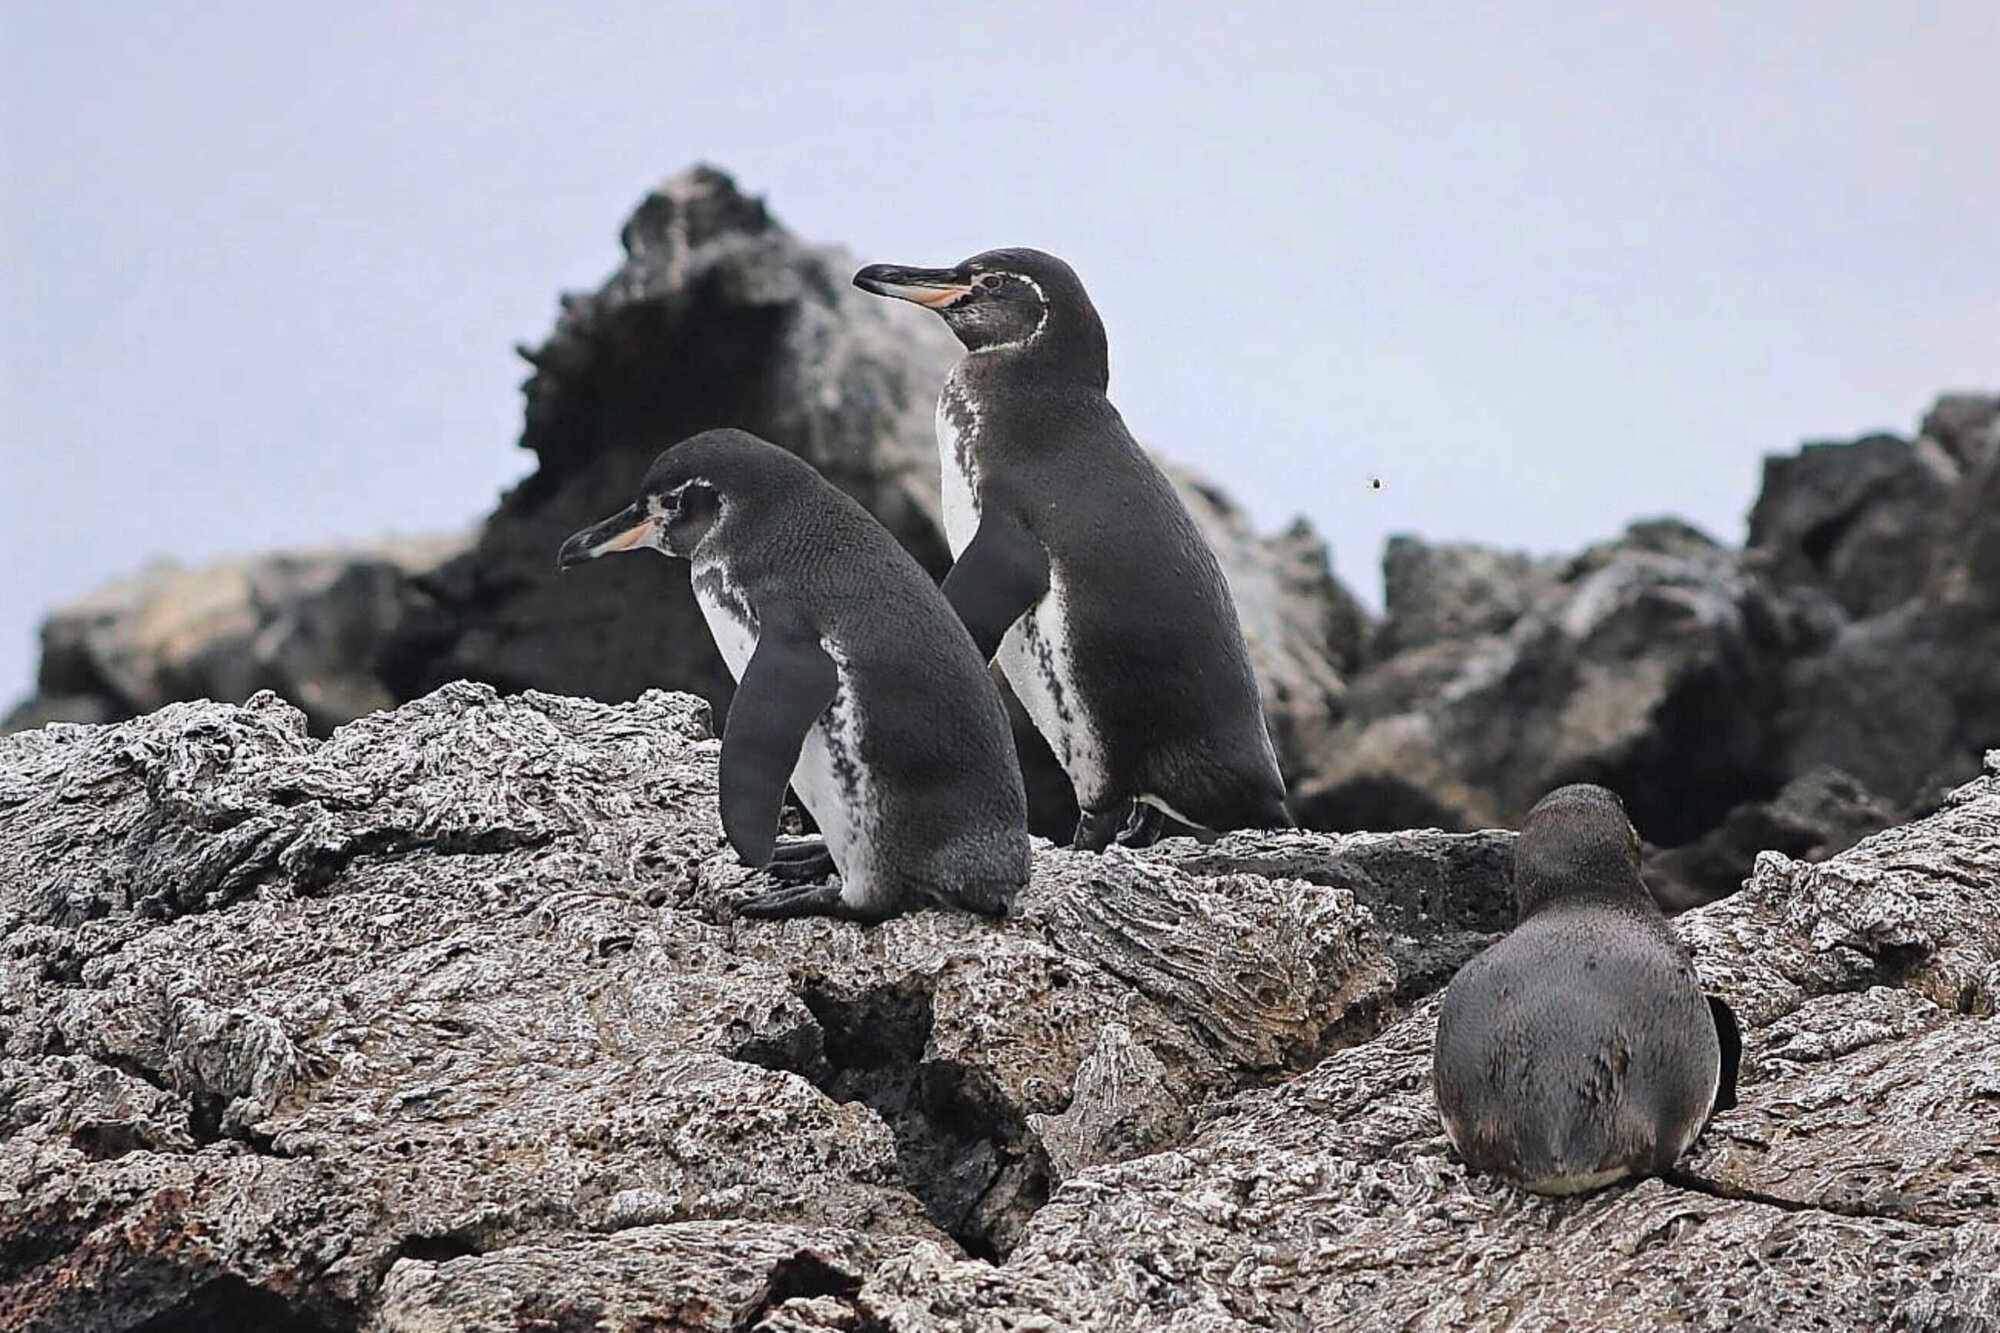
797 900
1143 829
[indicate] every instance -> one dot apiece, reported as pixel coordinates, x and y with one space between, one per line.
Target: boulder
1858 521
1811 818
720 316
1650 664
1905 698
1447 592
307 625
446 1022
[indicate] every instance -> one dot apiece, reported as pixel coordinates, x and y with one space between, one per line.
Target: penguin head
1577 842
689 497
1002 299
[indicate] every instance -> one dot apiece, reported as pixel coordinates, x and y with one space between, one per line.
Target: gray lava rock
307 625
1440 592
342 1031
1857 520
1855 1187
1811 818
1651 666
1904 699
445 1023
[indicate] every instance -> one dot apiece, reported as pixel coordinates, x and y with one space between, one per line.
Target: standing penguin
855 683
1078 565
1580 1050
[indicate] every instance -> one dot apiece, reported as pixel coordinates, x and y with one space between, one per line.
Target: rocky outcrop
720 316
1906 693
1794 695
445 1022
307 625
280 1017
1651 665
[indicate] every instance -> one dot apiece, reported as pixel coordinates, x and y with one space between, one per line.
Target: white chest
1038 659
729 621
957 436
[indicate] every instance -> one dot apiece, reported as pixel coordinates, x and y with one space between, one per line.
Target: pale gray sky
1542 267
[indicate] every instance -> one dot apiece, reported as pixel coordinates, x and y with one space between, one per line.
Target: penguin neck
1615 886
1065 349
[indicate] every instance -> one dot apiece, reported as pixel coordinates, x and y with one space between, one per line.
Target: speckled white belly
957 424
829 778
1036 659
1035 654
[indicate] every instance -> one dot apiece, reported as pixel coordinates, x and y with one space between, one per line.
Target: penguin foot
798 900
1143 829
1095 829
801 863
800 850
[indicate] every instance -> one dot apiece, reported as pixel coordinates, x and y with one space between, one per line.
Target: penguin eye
688 500
991 282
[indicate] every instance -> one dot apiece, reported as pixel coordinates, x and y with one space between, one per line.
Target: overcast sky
1541 268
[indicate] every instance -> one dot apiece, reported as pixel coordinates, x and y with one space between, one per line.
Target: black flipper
1731 1037
1002 573
787 685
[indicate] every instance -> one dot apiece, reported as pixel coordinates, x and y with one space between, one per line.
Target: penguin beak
629 527
933 287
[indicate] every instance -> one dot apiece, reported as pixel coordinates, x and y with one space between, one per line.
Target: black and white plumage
1077 566
856 683
1580 1050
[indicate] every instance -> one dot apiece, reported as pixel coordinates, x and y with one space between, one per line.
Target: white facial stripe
1040 295
661 507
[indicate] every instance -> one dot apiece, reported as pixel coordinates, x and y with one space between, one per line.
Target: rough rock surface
281 1017
445 1023
1904 697
306 625
1857 1186
1650 665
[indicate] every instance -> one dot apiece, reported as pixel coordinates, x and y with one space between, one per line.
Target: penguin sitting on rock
1580 1050
856 684
1078 565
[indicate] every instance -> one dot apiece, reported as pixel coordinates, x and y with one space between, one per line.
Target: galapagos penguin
1580 1050
1079 567
856 683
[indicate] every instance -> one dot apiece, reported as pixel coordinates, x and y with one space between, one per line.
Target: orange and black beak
933 287
629 527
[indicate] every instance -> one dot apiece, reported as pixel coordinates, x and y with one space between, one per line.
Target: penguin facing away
1580 1050
1077 565
856 684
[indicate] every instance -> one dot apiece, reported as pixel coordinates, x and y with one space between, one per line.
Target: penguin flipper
1731 1038
1001 573
787 684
